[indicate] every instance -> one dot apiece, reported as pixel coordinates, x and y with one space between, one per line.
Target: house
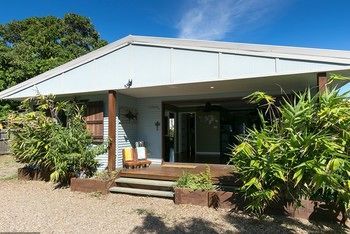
183 98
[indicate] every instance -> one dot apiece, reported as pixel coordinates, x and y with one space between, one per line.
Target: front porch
221 174
189 123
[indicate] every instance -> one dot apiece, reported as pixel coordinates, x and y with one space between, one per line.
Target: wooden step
144 192
158 183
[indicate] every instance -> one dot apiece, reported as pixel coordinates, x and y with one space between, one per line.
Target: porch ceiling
272 85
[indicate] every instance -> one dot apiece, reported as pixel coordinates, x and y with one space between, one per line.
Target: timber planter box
88 185
215 199
222 199
186 196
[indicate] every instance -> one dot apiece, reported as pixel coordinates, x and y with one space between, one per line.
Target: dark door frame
166 106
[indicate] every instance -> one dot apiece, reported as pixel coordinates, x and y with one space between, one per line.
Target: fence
4 147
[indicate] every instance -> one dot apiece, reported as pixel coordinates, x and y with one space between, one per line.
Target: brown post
322 81
112 114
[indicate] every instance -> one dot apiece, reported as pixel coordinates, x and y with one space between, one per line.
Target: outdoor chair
133 158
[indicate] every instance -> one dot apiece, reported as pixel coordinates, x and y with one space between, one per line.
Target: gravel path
37 206
8 167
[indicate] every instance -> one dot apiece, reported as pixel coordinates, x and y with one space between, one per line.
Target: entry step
159 183
144 192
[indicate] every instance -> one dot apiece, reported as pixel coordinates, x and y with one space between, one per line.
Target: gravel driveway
8 167
37 206
34 206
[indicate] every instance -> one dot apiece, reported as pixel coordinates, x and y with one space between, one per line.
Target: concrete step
144 192
158 183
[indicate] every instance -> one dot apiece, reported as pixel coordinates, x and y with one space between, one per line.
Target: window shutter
94 120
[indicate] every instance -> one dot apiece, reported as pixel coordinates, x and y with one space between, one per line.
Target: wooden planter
215 199
89 185
29 173
313 210
222 199
186 196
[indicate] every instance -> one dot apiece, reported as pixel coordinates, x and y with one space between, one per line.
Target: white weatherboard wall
126 132
149 112
126 129
103 158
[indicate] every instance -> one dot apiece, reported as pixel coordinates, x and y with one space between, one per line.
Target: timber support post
322 81
112 114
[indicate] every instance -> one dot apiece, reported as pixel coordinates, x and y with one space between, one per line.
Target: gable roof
307 54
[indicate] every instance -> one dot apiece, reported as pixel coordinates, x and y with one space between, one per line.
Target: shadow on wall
240 223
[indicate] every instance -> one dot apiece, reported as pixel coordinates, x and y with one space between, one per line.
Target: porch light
211 87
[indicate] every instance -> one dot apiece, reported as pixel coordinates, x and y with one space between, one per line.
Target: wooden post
321 81
112 114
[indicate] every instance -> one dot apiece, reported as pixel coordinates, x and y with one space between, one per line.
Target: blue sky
309 23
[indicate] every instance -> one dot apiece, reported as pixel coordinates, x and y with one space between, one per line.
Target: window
94 120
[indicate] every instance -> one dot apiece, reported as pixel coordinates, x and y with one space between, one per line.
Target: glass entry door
186 137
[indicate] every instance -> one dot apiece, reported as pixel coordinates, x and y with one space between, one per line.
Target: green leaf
334 164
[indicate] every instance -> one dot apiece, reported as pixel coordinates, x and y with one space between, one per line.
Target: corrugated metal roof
308 54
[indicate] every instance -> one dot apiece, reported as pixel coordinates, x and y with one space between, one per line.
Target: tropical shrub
201 181
106 175
301 151
53 136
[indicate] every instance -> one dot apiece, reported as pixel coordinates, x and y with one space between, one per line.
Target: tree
32 46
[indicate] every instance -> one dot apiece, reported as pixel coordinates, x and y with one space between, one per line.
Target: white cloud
214 19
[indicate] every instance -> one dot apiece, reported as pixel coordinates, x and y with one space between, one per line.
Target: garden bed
196 197
221 199
90 185
216 199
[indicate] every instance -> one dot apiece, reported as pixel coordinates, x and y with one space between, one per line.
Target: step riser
141 186
143 192
157 183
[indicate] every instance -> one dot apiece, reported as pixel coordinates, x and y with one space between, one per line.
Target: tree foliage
52 136
302 153
32 46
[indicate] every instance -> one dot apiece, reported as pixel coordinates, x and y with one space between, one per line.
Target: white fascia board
342 61
215 45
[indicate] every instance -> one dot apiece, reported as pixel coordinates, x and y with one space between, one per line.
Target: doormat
179 166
